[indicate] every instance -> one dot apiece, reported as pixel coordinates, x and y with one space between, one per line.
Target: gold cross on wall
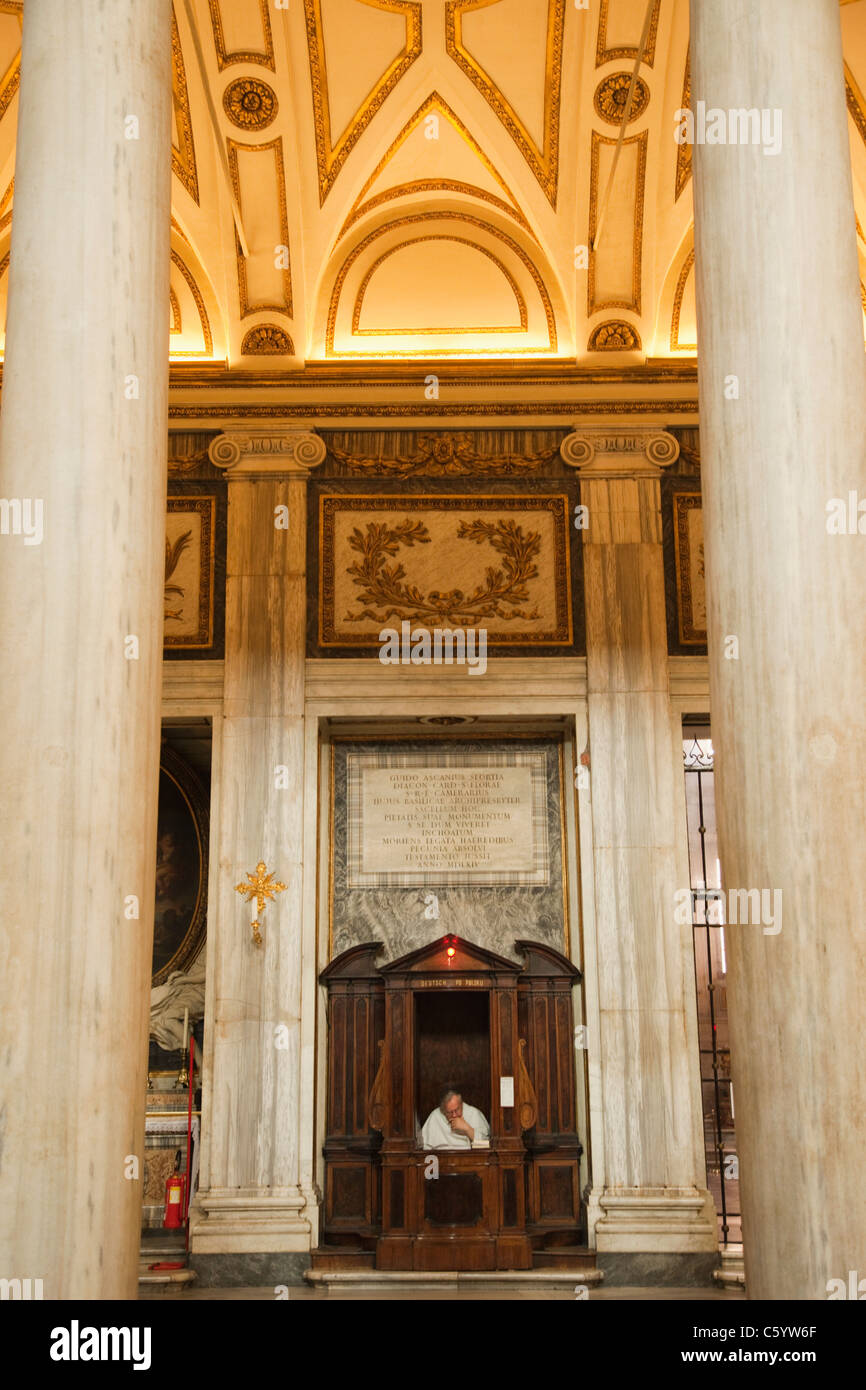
261 888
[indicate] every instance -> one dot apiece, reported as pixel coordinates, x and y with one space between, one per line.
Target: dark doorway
452 1047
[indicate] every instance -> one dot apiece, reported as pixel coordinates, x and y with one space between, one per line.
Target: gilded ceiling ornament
611 95
614 336
250 103
267 339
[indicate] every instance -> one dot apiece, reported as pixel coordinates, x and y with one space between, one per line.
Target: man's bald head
451 1104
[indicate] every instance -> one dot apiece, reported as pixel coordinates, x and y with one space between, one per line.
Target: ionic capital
600 452
291 453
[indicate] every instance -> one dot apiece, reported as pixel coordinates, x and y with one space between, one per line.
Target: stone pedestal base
657 1220
249 1221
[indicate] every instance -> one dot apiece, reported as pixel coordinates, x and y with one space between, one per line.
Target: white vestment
438 1134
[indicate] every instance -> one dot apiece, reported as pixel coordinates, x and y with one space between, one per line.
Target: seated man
453 1125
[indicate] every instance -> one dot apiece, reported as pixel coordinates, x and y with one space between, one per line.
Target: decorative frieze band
634 453
292 452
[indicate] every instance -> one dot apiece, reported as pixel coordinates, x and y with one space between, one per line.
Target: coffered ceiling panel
435 152
182 143
242 32
359 51
512 52
614 280
376 180
258 179
620 25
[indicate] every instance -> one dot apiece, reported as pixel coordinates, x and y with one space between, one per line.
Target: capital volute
290 453
600 452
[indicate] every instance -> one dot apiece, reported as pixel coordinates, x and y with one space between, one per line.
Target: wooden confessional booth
500 1033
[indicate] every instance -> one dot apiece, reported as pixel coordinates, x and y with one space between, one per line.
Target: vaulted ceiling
421 179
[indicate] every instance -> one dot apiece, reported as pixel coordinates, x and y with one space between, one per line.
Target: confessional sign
473 823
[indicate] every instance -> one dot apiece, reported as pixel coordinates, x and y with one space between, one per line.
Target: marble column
83 451
783 430
252 1201
649 1196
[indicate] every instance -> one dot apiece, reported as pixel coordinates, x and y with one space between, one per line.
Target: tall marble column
783 429
252 1200
82 467
649 1204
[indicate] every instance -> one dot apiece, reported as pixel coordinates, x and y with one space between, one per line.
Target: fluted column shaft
783 425
83 441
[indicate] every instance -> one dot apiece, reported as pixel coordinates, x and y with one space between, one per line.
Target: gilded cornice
369 375
410 220
544 163
565 409
634 304
434 104
331 155
357 330
226 59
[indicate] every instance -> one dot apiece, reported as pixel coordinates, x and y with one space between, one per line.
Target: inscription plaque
414 824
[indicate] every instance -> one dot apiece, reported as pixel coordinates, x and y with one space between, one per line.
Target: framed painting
181 868
190 554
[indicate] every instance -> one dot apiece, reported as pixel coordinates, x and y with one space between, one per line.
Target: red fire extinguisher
175 1185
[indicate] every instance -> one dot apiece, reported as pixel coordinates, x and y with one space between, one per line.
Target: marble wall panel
493 917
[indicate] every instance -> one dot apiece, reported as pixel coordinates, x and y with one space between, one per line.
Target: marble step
383 1280
731 1273
576 1257
163 1247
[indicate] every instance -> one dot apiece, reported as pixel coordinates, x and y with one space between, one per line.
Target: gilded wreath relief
382 585
496 563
